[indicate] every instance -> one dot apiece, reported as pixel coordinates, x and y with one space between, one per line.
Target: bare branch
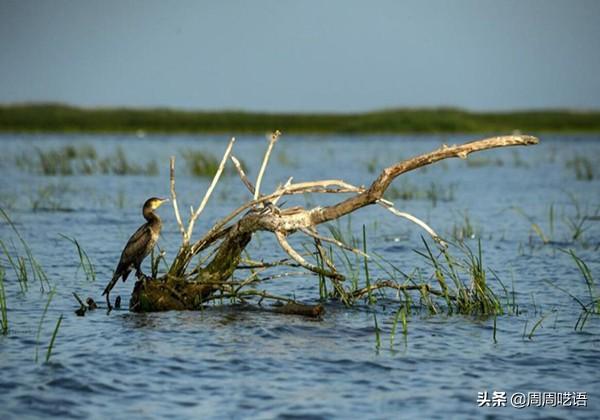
315 234
298 258
174 201
390 206
388 284
242 174
378 187
286 185
210 188
272 141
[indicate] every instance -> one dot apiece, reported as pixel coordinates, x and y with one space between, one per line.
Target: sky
304 56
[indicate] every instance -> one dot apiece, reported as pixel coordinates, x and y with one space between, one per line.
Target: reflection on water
236 361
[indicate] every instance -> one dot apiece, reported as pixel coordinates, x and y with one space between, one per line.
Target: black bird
139 245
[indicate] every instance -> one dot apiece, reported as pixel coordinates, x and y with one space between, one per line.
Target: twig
388 205
174 201
400 287
286 185
272 141
242 174
298 258
210 188
314 234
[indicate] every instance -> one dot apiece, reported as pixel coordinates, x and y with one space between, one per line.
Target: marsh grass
41 323
36 269
84 260
582 166
465 229
399 317
576 221
473 296
483 161
3 308
377 332
370 297
44 117
590 308
434 192
537 324
285 160
18 265
204 164
53 339
82 160
51 197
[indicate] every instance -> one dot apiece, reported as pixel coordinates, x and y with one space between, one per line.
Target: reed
36 269
205 165
536 325
592 307
41 323
53 339
435 192
370 297
377 333
82 160
589 280
465 229
84 260
3 308
18 267
473 297
582 166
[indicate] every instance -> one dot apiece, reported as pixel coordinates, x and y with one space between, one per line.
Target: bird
139 246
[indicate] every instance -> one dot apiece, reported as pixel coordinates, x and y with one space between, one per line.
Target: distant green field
63 118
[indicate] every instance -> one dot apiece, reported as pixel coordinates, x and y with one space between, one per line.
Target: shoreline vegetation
60 118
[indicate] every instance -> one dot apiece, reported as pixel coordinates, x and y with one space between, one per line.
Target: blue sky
336 55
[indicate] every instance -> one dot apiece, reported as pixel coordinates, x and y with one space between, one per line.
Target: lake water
231 362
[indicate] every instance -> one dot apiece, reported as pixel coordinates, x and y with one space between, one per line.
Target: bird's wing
136 244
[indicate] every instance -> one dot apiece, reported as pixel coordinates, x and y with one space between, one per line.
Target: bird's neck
151 217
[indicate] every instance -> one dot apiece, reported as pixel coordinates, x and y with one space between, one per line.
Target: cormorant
139 245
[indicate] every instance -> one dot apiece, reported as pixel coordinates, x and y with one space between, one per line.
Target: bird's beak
162 201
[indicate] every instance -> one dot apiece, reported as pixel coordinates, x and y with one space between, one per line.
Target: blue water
232 361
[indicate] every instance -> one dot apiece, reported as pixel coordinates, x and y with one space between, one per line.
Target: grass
3 308
400 316
18 265
592 307
41 323
434 192
583 167
575 222
51 197
82 160
465 229
36 269
370 297
54 334
482 161
49 117
474 296
589 280
377 333
203 164
84 260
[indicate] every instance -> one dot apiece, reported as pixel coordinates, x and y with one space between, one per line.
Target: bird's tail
112 283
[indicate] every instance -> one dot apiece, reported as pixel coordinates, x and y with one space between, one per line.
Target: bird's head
154 203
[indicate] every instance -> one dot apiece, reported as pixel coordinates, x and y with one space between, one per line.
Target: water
230 361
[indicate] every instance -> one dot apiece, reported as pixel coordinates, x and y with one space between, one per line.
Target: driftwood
188 287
